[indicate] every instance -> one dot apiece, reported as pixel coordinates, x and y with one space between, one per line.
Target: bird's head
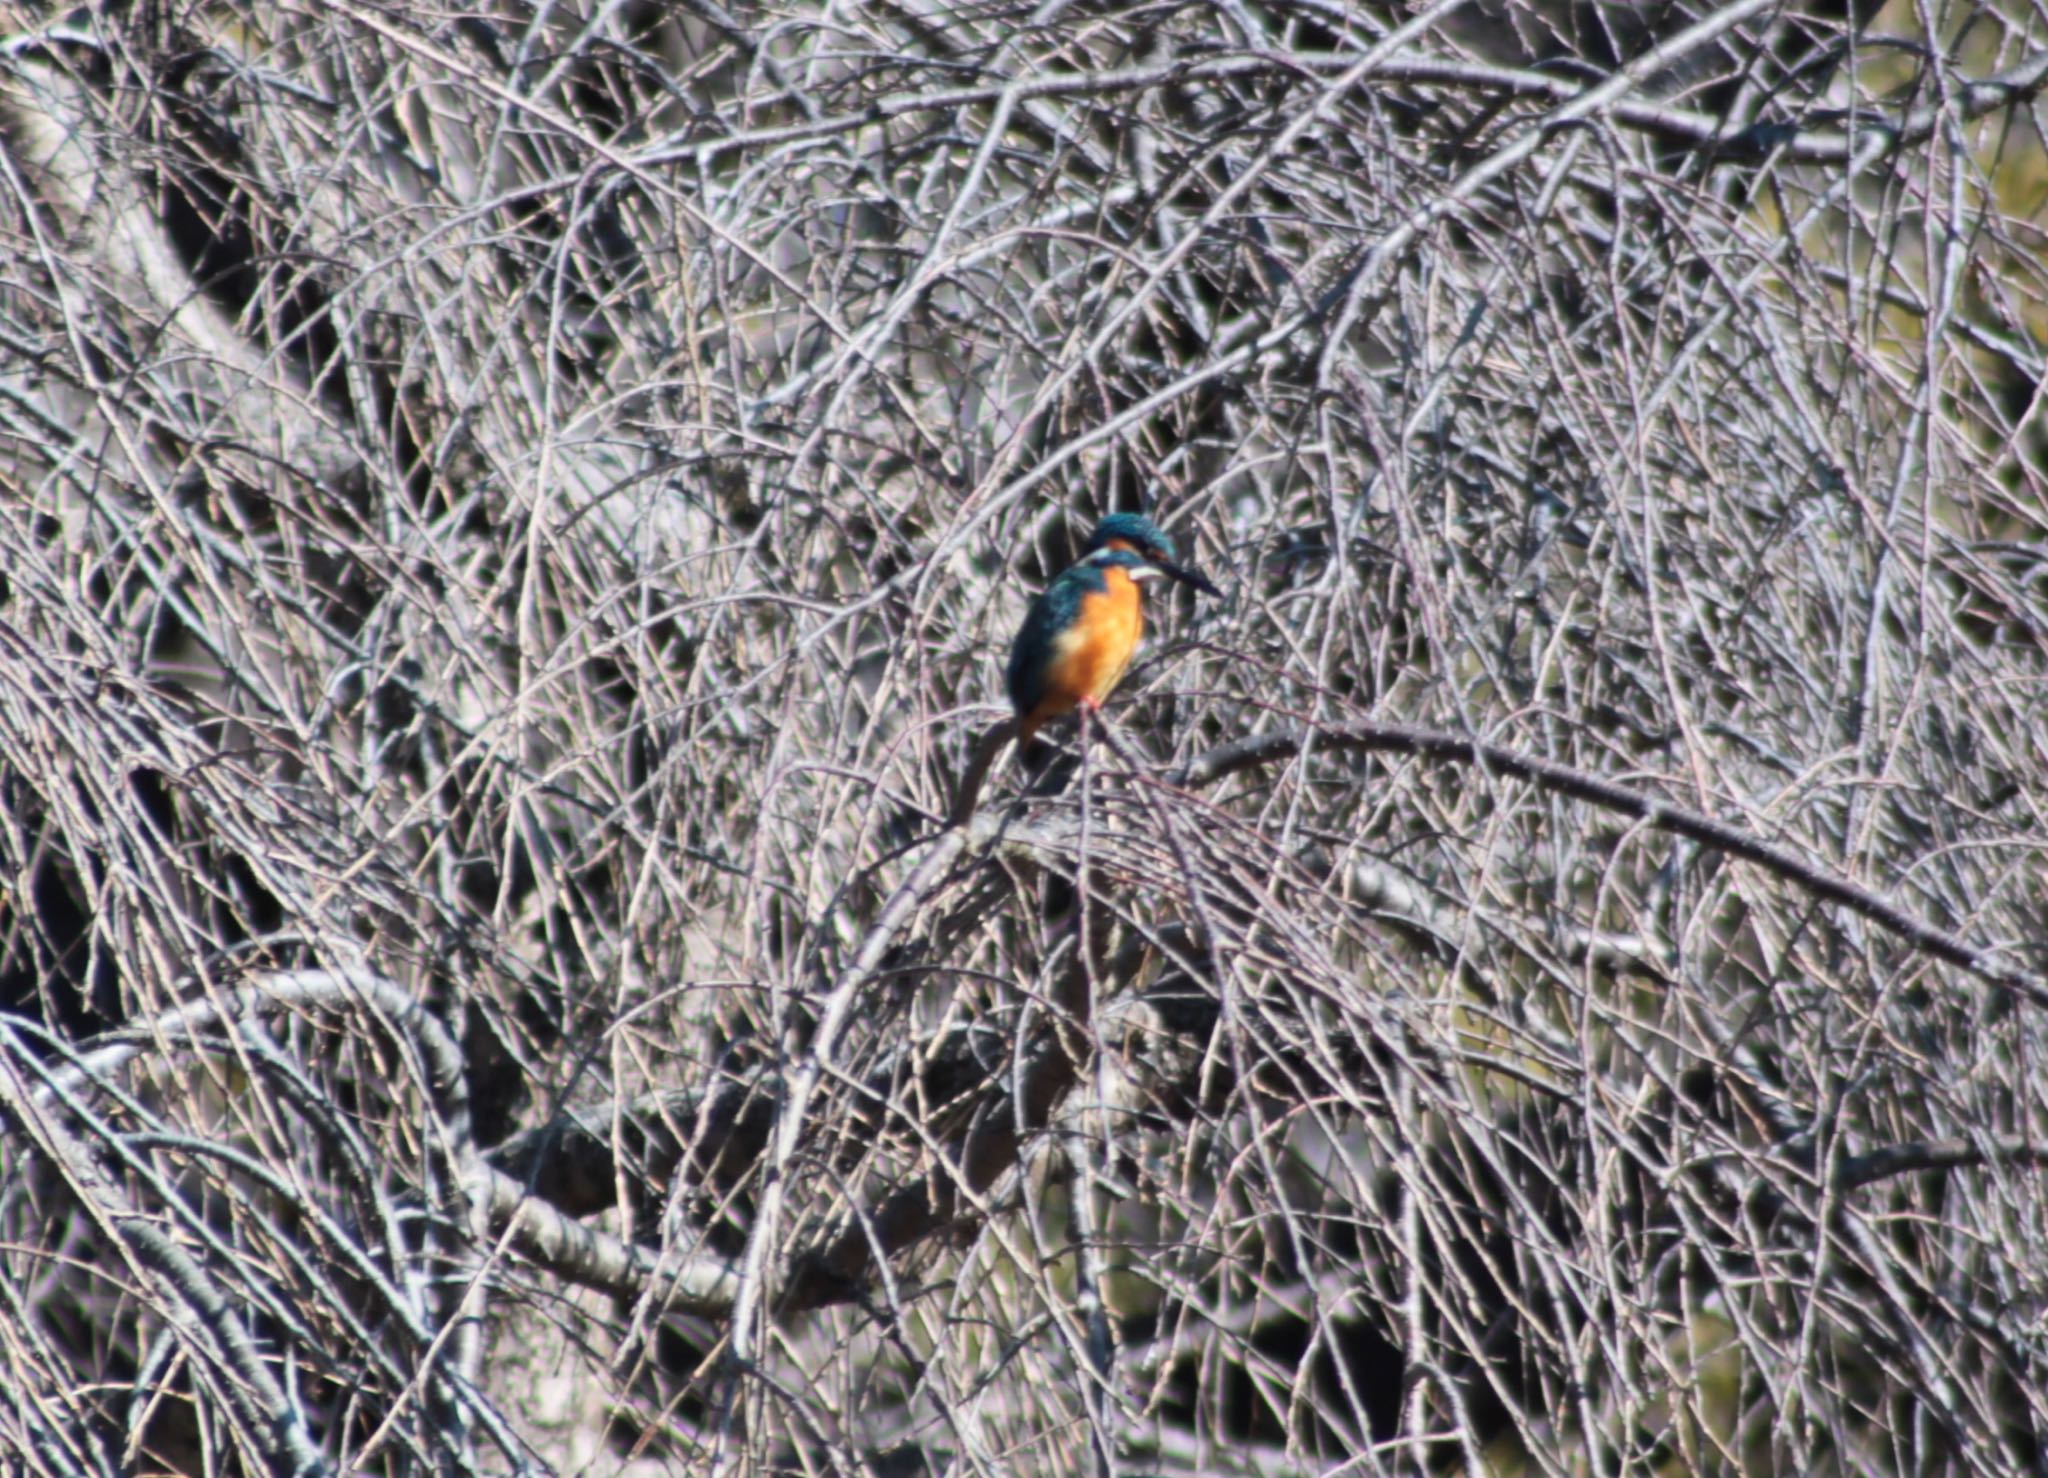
1136 535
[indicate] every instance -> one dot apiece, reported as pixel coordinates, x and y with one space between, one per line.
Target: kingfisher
1077 639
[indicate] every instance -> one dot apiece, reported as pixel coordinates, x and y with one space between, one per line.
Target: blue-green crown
1135 530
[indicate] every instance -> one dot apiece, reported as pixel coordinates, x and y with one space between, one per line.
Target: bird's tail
968 792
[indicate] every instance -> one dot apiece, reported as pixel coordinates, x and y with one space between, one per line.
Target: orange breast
1091 656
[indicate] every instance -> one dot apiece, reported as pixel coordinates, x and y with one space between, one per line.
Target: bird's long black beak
1187 576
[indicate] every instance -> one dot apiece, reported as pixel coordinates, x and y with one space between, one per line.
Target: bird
1078 637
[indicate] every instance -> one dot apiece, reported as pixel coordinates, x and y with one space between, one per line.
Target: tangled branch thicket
512 519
